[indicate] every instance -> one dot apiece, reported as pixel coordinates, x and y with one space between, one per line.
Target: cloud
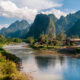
0 26
28 9
9 9
37 4
4 26
56 12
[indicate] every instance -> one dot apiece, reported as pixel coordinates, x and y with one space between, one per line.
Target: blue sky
71 5
12 10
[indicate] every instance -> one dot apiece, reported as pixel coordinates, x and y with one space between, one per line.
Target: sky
12 10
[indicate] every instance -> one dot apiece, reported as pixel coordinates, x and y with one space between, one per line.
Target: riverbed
46 66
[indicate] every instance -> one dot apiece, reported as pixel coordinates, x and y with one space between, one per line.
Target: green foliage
30 40
2 39
73 44
69 44
8 69
61 36
46 40
58 43
16 40
41 38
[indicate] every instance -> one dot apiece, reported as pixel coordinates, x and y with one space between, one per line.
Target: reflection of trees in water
45 61
42 61
61 59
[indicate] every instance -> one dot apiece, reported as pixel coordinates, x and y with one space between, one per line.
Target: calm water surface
46 67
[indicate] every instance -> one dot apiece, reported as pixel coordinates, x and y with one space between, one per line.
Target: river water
46 66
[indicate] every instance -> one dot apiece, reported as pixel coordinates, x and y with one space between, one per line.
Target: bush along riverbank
9 65
57 47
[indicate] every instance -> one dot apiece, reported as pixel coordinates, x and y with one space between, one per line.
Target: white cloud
9 9
4 26
28 9
37 4
0 26
56 12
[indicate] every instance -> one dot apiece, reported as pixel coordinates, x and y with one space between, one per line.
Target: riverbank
45 64
9 67
58 50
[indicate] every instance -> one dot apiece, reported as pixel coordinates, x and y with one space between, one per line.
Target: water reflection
46 61
48 67
42 61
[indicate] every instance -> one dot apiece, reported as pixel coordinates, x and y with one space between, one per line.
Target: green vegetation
4 41
14 40
9 63
50 42
30 40
61 36
9 67
44 42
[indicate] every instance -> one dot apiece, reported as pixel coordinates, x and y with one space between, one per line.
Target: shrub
30 40
58 43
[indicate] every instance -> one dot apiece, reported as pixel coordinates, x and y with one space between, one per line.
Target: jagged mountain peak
16 29
42 24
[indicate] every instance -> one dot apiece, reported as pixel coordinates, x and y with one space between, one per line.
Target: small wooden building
73 41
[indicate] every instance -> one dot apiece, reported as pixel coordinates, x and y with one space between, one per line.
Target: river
46 66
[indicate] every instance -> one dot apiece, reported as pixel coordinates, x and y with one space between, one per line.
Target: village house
73 41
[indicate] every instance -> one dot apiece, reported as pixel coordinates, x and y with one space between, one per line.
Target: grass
8 67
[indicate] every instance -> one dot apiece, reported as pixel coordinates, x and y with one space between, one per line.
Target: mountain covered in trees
75 29
42 24
65 23
16 29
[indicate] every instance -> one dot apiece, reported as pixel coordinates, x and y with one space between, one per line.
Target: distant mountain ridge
43 24
65 23
16 29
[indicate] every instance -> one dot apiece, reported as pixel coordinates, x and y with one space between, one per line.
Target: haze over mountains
16 29
65 23
44 24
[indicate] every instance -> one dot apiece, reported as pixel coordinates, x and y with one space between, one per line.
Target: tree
31 40
61 36
41 38
2 39
17 40
46 40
